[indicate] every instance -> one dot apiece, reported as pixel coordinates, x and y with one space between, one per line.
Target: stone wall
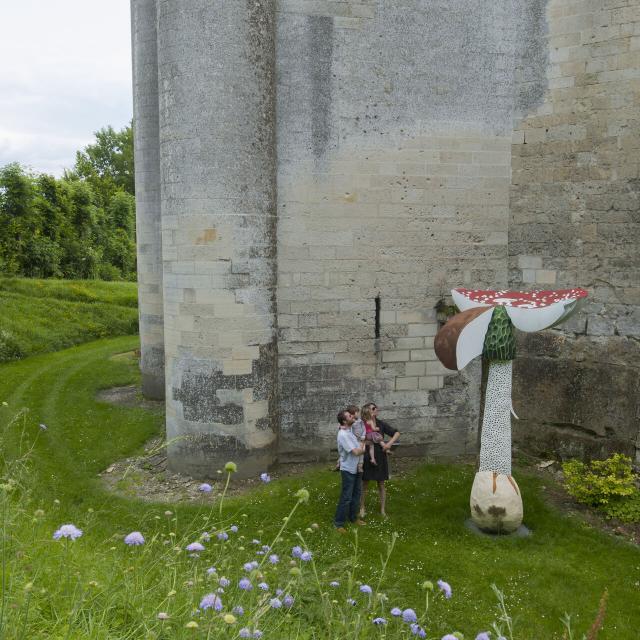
575 201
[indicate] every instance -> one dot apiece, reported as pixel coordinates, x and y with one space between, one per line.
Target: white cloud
66 73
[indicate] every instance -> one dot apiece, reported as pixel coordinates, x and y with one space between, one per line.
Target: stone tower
314 176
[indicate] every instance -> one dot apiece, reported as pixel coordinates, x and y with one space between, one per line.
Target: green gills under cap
500 340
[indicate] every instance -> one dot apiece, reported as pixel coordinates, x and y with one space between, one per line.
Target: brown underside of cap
446 339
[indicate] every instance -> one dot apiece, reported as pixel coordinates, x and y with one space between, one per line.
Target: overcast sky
65 73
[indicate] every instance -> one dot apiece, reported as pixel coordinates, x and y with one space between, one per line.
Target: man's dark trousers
349 503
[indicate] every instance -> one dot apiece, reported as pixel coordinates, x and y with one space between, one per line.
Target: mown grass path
563 567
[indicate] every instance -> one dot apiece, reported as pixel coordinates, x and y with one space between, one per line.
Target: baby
358 430
372 434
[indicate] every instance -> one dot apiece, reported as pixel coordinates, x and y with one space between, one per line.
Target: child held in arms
372 433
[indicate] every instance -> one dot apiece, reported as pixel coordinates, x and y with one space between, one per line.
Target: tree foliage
79 226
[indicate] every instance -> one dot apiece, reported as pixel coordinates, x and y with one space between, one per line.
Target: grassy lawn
97 587
38 316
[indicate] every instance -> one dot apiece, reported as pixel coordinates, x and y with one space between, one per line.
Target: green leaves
500 340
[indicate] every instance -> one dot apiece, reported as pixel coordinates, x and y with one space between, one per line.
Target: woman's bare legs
383 497
363 495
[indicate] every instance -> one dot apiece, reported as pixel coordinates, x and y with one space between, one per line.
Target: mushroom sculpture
485 326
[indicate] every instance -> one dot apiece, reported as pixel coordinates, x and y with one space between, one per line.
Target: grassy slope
38 316
563 567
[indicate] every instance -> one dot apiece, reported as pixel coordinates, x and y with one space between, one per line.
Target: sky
65 73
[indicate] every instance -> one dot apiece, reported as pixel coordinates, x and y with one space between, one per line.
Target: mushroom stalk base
496 503
495 442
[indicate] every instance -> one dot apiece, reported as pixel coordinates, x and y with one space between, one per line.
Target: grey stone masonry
147 168
217 158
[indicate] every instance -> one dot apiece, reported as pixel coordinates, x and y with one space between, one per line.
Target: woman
380 470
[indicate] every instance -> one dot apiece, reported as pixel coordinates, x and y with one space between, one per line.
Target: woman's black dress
378 471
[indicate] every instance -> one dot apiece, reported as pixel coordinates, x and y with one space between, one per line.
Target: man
349 451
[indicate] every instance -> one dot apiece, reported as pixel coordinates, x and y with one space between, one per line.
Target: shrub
609 485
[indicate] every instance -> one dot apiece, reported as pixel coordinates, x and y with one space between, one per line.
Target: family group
363 455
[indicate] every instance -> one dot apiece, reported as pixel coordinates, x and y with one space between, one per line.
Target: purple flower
233 528
205 536
296 552
365 588
257 633
483 636
351 601
244 633
335 583
288 601
255 541
67 531
245 584
263 586
449 636
224 582
445 588
195 547
205 487
265 477
306 556
223 536
275 603
417 630
211 601
266 547
248 566
379 621
396 612
279 592
239 611
273 559
134 539
211 571
409 615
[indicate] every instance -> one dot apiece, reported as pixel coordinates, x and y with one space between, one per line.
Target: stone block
416 368
406 384
395 356
422 330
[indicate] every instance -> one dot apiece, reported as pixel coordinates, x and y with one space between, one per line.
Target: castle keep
313 176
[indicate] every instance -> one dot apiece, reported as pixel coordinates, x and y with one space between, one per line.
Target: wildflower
168 513
191 625
195 547
483 636
379 621
255 541
205 487
229 618
233 528
231 467
306 556
279 592
205 536
67 531
245 584
351 601
265 477
43 427
417 630
296 552
445 588
220 590
263 586
396 612
365 588
449 636
275 603
294 571
288 601
211 601
248 566
224 582
302 495
163 615
427 585
223 536
38 513
134 539
266 547
334 583
244 633
239 611
274 559
409 615
257 633
315 525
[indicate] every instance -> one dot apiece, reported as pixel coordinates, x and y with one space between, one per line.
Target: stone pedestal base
496 503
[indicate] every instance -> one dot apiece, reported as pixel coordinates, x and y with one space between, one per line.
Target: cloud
66 73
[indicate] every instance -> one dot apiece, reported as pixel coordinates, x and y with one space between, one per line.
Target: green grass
37 316
563 567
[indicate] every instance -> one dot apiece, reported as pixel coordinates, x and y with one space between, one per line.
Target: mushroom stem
495 440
